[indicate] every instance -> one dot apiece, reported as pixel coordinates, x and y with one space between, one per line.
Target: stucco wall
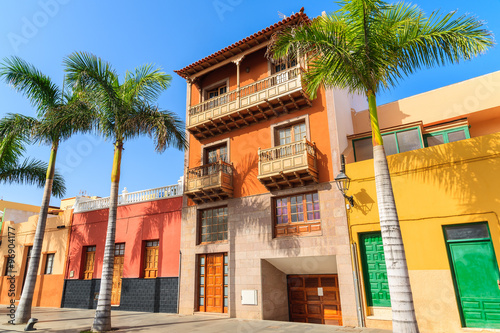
447 184
17 216
49 287
159 219
460 99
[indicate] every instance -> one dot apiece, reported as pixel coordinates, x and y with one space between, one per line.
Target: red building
147 251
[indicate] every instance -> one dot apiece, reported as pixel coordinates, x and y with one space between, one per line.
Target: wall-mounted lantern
343 182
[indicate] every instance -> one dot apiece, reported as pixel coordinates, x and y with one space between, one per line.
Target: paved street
77 320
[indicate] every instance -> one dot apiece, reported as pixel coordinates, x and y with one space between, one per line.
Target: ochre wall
136 223
446 184
49 287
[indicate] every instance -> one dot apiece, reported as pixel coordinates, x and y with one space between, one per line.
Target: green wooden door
374 270
477 280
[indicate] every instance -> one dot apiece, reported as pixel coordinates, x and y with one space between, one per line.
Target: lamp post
343 181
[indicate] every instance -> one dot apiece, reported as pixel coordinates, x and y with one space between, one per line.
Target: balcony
271 97
289 165
210 182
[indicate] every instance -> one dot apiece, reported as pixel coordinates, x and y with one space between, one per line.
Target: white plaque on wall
249 297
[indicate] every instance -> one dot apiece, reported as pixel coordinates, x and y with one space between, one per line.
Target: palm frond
165 127
88 72
439 40
25 78
77 116
12 148
15 124
145 83
371 45
32 172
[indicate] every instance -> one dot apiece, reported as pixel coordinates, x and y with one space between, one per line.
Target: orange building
18 231
264 235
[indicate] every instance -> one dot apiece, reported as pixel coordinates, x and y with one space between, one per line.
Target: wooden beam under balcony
288 166
210 182
248 116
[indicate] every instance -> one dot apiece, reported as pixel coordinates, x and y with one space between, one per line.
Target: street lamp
343 181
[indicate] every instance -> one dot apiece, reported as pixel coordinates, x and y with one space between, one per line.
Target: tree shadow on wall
464 171
245 174
461 174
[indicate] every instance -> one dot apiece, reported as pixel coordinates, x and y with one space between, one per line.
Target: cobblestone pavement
77 320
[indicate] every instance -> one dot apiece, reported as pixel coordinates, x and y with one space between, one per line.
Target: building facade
147 257
18 231
444 148
264 232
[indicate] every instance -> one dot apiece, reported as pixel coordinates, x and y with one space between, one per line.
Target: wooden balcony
210 182
289 165
271 97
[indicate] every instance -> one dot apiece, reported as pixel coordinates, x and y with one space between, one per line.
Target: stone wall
250 233
274 293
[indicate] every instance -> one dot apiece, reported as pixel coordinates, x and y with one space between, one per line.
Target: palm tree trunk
23 312
403 312
102 319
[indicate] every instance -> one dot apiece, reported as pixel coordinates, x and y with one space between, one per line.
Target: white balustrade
83 204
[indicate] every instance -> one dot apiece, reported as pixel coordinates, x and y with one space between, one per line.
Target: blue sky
171 34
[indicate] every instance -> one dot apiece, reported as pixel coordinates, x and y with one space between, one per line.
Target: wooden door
116 290
28 259
213 283
88 272
314 299
475 272
151 259
214 296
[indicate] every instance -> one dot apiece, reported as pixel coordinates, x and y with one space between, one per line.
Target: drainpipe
179 282
357 288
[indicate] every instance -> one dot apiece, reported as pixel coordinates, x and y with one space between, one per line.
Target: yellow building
444 164
18 231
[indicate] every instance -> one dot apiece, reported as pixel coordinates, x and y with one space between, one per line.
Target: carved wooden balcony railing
289 165
271 97
210 182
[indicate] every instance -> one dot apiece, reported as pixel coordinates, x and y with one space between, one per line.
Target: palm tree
126 111
59 116
368 46
30 171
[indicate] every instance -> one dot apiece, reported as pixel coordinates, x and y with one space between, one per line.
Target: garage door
314 299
